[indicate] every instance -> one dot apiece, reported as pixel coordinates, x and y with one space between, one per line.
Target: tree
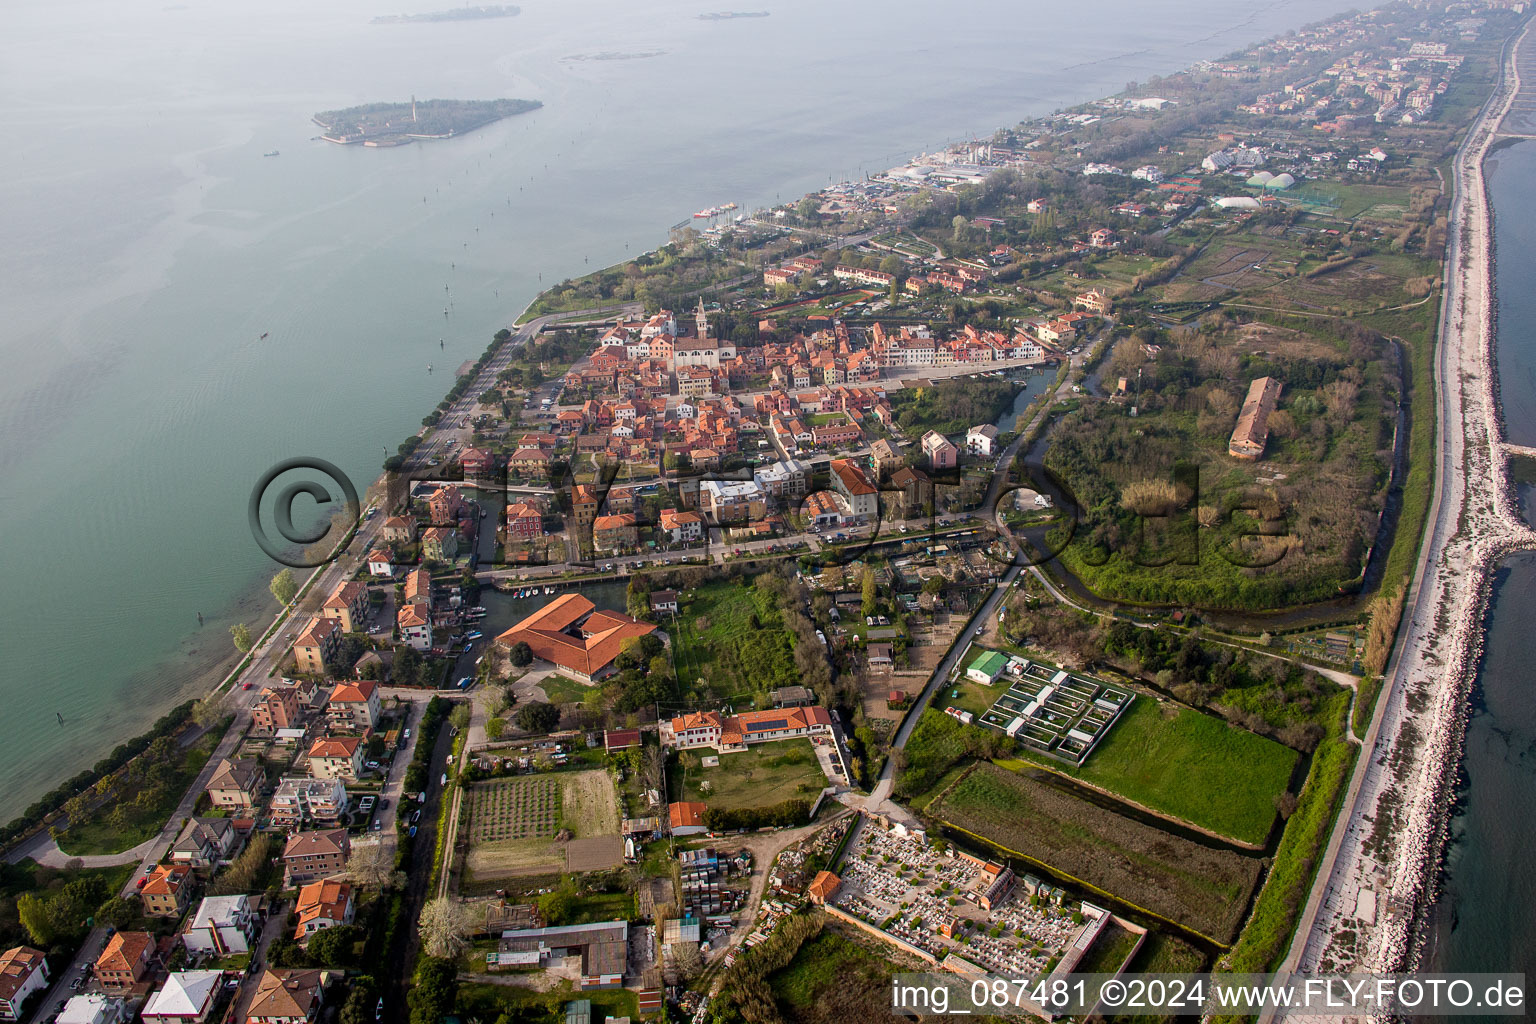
445 925
284 587
241 633
868 591
522 654
537 717
207 712
285 952
371 864
33 911
337 946
119 912
494 728
459 716
358 1009
434 992
555 907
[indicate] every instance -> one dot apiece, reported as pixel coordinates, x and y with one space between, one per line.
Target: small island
729 15
453 14
377 125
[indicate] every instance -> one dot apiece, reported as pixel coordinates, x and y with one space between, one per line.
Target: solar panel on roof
776 723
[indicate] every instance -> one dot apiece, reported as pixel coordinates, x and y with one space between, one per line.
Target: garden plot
1054 712
520 825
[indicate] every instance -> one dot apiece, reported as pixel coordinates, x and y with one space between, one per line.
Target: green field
1203 889
1188 765
731 637
760 776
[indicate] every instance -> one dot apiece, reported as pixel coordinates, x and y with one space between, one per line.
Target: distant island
398 124
728 15
616 55
453 14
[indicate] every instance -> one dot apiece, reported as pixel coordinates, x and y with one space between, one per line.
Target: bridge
1519 451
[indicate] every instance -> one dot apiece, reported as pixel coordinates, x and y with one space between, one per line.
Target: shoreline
1405 779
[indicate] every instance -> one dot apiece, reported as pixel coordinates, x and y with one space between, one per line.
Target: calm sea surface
1486 917
148 245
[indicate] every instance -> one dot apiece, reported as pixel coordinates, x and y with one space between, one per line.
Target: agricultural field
513 824
1202 889
1188 765
763 775
729 640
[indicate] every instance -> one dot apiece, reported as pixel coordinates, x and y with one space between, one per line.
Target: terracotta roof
16 966
686 814
316 633
317 843
166 879
336 746
411 615
241 774
853 478
125 950
617 522
822 886
344 595
602 634
326 900
353 693
285 994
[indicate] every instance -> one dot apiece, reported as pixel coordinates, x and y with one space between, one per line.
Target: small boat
549 590
472 637
477 610
273 153
728 206
263 336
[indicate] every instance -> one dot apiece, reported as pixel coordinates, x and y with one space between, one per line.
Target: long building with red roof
731 733
575 636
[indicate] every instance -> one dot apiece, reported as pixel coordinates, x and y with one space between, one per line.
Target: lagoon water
148 245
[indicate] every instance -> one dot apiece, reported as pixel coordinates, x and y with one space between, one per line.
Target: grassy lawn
1188 765
970 696
146 814
562 690
761 776
818 965
602 906
731 637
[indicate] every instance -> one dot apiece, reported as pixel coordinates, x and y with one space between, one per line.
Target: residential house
1094 301
381 562
204 843
323 904
446 505
663 602
681 525
731 733
354 707
981 440
938 451
95 1008
277 708
784 480
583 504
336 757
125 961
686 817
348 605
848 479
440 544
23 971
477 463
289 996
399 530
167 890
731 501
187 997
915 488
884 457
525 522
236 783
414 621
298 801
615 533
312 855
319 643
571 633
222 926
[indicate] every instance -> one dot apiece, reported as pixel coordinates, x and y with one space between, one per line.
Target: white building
222 926
94 1009
981 440
186 998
